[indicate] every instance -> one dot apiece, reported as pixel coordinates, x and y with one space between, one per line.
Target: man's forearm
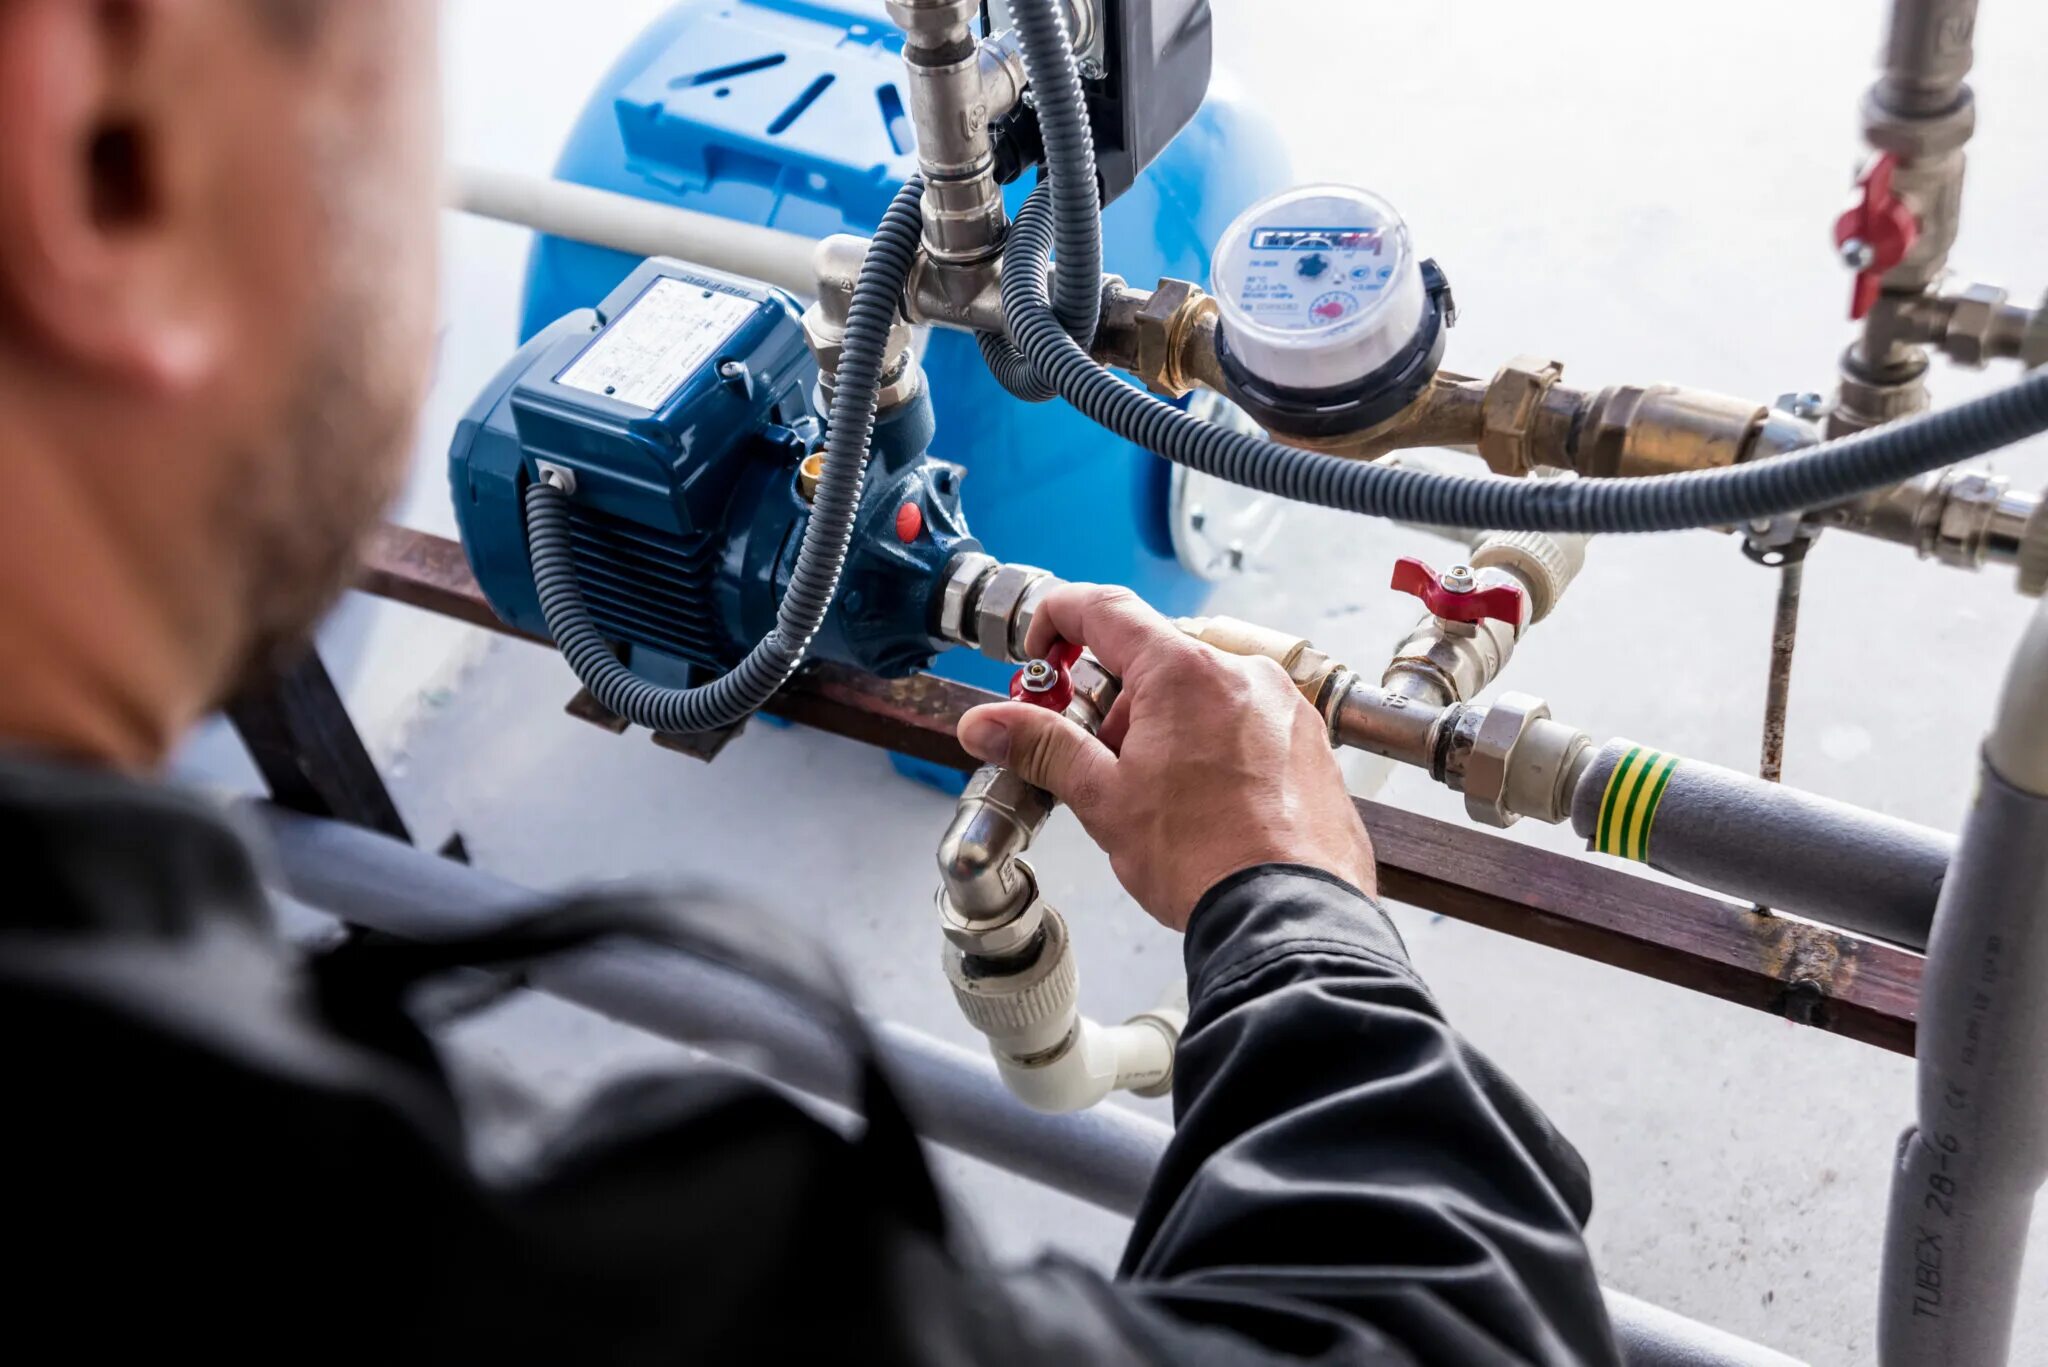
1339 1144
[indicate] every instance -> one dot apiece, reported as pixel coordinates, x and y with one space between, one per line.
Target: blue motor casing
681 409
791 113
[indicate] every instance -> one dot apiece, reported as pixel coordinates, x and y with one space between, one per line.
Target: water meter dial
1330 322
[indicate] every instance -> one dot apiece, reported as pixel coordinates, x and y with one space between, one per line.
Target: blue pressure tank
791 113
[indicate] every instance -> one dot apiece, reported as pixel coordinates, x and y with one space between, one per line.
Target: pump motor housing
678 415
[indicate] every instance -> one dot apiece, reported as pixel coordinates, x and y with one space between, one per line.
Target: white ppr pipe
637 227
1049 1055
1136 1056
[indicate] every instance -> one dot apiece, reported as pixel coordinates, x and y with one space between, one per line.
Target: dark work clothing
209 1148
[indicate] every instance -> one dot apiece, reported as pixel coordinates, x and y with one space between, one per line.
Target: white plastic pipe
1135 1057
637 227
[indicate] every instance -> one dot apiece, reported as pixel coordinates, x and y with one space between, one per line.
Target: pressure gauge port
1330 324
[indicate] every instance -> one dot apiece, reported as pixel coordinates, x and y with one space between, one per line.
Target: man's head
217 294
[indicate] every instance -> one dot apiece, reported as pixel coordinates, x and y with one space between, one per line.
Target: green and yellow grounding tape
1629 806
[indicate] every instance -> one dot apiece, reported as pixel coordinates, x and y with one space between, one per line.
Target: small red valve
1441 594
1876 233
1049 680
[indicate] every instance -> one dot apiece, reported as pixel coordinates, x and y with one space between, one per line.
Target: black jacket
210 1149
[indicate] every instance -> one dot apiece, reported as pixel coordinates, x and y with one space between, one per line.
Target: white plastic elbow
1049 1054
1136 1056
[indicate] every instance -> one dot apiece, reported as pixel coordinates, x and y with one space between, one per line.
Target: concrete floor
1644 191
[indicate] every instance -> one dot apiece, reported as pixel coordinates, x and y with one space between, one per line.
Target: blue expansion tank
791 114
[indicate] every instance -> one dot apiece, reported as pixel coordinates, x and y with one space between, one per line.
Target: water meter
1330 323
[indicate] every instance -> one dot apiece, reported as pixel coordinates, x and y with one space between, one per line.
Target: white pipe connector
1050 1055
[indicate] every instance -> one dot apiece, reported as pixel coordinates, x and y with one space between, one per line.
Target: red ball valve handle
1455 596
1876 233
1048 681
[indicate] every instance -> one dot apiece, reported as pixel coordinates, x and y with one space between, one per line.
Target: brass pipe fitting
1523 419
1449 412
1660 429
1164 336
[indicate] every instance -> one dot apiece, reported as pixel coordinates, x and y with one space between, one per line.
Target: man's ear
91 266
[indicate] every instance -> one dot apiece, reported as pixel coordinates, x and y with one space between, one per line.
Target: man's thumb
1041 746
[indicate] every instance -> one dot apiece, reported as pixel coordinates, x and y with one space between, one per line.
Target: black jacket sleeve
1346 1167
203 1154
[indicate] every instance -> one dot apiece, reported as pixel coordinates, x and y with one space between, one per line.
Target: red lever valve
1047 681
1496 602
1877 231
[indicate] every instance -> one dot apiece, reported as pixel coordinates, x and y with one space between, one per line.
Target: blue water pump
791 113
679 415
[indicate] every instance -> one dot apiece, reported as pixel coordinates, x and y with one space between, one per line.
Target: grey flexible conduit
1814 478
1076 198
735 695
1069 162
1011 370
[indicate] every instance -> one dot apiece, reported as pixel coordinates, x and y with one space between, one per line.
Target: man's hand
1207 764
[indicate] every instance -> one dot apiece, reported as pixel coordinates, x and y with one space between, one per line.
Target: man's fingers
1117 725
1115 623
1044 748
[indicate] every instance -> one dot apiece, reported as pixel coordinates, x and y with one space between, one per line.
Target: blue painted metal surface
725 106
686 516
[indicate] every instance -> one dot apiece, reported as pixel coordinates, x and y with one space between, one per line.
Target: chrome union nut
998 938
932 23
1973 315
826 338
1002 600
2034 343
1507 721
963 577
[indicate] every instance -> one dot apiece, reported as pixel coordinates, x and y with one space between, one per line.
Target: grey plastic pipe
1776 846
637 227
1968 1170
1105 1155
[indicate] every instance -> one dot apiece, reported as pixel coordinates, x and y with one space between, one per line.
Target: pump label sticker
1629 806
662 339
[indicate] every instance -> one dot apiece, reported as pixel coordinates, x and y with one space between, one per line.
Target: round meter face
1321 278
